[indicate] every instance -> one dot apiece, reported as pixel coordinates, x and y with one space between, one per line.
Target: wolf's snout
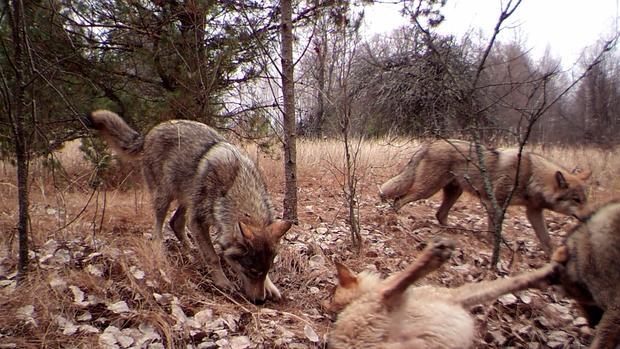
381 194
582 215
255 290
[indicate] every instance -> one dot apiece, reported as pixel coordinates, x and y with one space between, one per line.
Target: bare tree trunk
290 132
350 159
17 122
321 57
351 175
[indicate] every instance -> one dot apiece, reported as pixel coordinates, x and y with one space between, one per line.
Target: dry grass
604 164
111 231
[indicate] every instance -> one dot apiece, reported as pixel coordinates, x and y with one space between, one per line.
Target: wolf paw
272 291
560 255
440 251
222 282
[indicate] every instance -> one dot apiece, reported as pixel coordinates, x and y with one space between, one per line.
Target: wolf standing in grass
214 185
452 165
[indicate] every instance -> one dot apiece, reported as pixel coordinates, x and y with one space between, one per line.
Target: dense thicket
408 83
148 60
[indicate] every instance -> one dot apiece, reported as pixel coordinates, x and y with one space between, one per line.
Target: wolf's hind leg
608 330
177 223
431 259
423 188
161 204
482 292
451 192
207 252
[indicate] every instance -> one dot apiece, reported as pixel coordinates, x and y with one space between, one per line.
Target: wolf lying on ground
214 184
591 255
452 165
386 314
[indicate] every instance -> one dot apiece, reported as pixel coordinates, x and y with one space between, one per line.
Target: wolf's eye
253 273
246 262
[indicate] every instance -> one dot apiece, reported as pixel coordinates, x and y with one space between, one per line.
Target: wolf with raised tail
214 185
452 165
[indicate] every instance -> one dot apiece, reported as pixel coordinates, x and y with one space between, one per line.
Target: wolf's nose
381 195
259 301
579 217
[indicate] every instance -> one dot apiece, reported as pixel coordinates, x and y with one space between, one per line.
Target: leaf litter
117 300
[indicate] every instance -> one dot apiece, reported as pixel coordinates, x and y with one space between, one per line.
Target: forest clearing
97 278
282 126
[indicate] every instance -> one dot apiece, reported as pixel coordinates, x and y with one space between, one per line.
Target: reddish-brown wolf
214 185
387 314
452 165
591 255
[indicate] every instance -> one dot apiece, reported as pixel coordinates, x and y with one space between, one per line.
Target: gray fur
215 185
592 274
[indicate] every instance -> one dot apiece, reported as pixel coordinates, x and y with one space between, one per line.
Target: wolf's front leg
209 256
271 290
537 220
607 331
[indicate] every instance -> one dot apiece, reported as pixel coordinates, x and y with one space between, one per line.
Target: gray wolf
591 275
376 313
214 185
452 165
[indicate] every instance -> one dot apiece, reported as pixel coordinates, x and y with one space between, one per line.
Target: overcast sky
566 26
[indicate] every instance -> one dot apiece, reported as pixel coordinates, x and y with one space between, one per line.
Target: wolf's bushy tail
399 184
116 133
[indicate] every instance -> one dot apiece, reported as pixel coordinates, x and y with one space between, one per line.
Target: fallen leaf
203 316
311 334
94 270
78 296
108 338
240 342
137 273
88 329
177 312
507 299
118 307
26 313
85 316
58 283
67 326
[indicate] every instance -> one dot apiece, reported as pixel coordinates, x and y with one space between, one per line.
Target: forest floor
96 277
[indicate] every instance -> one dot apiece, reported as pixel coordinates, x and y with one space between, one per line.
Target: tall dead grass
604 183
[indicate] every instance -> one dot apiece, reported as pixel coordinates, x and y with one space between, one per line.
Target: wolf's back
115 131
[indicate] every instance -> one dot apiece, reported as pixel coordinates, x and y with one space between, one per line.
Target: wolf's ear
246 231
585 175
581 173
559 177
278 228
346 278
